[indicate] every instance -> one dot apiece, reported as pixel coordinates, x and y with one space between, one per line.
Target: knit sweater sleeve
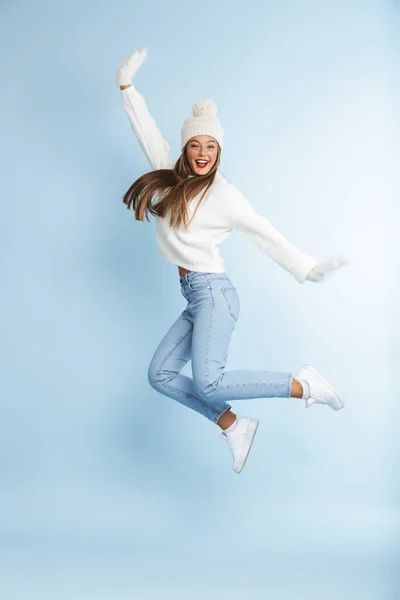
156 149
258 229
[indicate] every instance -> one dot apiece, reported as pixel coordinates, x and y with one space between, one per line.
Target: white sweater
223 209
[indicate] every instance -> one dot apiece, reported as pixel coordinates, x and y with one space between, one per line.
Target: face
202 152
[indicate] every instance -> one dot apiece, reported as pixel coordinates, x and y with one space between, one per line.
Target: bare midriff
182 271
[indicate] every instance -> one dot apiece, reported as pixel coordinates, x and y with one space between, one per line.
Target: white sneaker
321 391
127 70
240 440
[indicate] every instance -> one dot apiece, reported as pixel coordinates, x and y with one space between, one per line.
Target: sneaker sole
339 399
250 435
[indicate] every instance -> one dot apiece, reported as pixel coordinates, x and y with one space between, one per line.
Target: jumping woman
195 210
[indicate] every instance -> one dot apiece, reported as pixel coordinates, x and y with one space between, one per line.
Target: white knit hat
202 121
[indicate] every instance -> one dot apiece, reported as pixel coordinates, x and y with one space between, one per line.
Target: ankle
226 419
297 389
300 389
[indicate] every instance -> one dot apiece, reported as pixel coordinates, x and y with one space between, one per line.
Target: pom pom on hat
202 121
204 108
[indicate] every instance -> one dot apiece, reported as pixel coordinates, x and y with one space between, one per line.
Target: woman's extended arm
259 230
156 149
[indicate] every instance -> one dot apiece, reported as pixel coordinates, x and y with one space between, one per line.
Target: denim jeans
202 333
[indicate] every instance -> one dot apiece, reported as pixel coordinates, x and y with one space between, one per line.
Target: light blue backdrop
109 490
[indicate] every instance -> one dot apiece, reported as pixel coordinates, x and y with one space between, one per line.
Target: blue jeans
203 333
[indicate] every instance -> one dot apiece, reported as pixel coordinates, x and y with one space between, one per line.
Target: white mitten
321 270
127 70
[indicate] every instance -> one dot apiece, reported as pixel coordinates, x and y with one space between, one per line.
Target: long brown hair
173 189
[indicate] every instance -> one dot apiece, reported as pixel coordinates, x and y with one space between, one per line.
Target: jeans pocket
198 283
232 300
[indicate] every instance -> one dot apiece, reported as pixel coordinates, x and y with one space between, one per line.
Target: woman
196 209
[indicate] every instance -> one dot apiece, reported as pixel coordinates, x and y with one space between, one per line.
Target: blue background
109 490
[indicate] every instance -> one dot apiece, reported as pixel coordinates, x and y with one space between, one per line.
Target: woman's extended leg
214 308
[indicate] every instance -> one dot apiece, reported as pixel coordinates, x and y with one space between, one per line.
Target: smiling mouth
202 163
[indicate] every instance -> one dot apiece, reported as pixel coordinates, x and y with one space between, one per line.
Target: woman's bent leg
215 311
172 354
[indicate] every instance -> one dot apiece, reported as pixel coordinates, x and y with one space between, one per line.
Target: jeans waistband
212 276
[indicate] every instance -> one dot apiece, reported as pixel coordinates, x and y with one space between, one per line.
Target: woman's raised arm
156 149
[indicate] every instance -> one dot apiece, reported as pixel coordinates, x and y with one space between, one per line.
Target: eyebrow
208 142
